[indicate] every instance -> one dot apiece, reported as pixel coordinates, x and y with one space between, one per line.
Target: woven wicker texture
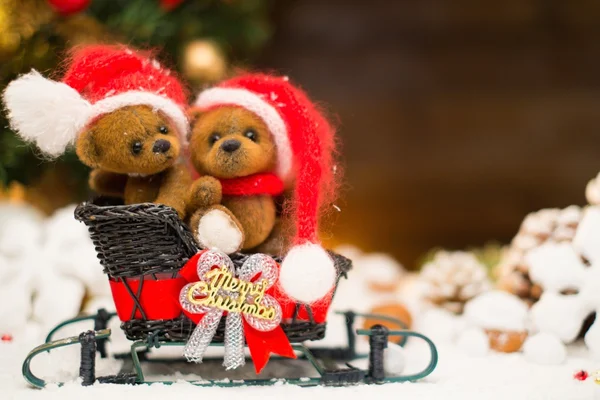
181 328
137 239
144 240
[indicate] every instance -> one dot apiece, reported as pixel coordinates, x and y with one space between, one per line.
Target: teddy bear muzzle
230 145
161 146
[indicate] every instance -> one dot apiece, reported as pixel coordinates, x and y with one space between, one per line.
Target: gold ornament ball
204 61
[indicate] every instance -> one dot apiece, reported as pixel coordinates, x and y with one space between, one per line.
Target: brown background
457 117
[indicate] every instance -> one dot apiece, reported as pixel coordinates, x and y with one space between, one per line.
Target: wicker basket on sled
142 246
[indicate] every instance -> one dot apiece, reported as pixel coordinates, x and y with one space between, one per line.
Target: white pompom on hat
99 79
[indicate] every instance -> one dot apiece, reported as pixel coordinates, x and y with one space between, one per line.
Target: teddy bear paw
217 230
205 192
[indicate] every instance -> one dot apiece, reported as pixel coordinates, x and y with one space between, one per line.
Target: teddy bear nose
230 145
161 146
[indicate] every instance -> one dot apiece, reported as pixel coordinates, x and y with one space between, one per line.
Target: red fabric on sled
160 298
319 308
156 298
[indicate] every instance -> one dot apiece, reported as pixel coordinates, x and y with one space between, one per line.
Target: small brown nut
394 310
506 341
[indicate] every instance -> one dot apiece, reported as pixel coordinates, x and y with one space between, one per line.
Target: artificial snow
587 239
21 230
394 360
47 309
72 252
15 305
559 315
382 269
465 371
497 310
439 325
458 376
474 342
546 264
544 348
592 340
47 267
569 274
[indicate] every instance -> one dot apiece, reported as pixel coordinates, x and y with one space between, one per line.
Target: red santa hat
305 145
99 79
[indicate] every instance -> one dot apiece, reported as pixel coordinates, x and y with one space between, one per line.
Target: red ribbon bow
261 343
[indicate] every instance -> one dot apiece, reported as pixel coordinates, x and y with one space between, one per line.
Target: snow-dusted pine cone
453 278
553 225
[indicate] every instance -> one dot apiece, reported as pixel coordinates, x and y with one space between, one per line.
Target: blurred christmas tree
203 38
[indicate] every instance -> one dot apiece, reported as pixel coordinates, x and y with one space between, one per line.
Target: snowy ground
458 375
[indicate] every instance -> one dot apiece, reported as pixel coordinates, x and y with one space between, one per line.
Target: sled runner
152 261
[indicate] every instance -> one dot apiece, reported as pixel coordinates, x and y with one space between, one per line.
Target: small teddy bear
125 114
233 202
256 136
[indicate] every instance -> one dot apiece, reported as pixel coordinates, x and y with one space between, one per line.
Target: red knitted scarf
252 185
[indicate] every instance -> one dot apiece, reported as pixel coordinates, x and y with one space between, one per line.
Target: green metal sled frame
378 337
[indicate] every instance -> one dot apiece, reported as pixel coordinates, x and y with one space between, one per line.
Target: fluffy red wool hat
305 146
99 79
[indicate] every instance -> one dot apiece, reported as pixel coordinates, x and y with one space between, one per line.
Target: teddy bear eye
214 138
136 147
250 134
163 129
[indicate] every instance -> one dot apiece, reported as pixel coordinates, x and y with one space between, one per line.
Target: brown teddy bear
255 136
226 144
141 166
125 114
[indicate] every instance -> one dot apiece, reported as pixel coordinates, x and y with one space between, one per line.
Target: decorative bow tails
217 291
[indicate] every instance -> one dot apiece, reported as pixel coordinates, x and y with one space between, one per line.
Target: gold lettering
249 295
251 309
235 284
259 291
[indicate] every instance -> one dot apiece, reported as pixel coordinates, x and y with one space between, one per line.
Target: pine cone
554 225
453 278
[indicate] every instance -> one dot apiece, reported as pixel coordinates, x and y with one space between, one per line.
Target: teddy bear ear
194 115
88 149
45 112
